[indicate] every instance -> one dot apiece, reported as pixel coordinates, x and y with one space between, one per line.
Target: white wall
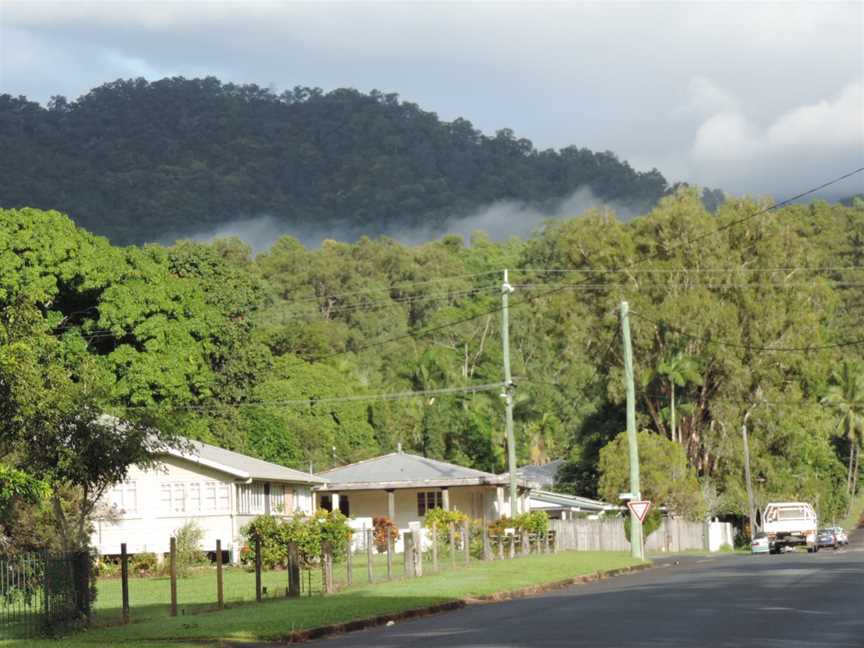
365 505
148 520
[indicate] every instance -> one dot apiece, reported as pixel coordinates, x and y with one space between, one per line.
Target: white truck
790 524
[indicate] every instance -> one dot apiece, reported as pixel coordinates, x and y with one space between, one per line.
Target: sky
753 98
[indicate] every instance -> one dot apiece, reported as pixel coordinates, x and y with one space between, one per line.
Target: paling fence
43 593
608 535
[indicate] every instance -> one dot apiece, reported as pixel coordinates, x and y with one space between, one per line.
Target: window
277 499
344 506
252 498
178 497
172 497
194 501
428 500
124 497
326 503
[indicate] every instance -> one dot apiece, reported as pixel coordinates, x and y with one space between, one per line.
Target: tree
845 398
678 370
665 477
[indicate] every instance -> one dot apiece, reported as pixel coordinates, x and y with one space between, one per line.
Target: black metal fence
43 593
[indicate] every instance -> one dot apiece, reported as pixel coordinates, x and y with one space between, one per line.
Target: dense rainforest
141 161
285 354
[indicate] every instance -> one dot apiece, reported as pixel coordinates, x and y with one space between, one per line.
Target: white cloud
796 150
664 84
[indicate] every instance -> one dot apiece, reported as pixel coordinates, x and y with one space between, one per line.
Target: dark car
826 538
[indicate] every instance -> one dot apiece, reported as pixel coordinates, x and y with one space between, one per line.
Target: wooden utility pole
220 598
506 289
751 505
635 524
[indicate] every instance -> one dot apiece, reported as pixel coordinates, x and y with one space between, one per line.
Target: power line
392 287
471 389
729 270
433 329
736 345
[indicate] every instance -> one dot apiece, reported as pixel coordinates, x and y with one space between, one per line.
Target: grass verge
856 514
280 618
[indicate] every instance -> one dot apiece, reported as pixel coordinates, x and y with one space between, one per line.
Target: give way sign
640 509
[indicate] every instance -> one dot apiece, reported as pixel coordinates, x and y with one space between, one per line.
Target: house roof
403 470
542 475
547 500
239 465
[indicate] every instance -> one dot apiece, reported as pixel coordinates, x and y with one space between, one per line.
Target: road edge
320 632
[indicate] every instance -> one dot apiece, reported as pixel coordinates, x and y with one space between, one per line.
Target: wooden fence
608 535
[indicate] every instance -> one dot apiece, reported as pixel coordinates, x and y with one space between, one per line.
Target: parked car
842 536
826 538
760 544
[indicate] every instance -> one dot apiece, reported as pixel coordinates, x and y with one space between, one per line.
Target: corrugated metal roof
240 463
403 467
571 501
542 475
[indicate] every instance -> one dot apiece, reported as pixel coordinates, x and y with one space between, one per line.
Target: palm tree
846 399
679 370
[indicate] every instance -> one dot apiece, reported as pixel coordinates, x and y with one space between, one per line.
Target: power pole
506 289
635 524
751 506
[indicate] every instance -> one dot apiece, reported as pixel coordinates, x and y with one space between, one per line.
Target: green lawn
278 617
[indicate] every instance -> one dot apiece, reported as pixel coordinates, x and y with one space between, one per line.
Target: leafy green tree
845 399
664 476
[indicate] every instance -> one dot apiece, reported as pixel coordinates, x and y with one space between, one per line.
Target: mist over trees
254 353
137 161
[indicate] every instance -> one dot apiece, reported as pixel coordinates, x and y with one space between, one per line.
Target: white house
403 487
219 489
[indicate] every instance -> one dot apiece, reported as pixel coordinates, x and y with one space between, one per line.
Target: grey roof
240 465
542 475
548 499
403 470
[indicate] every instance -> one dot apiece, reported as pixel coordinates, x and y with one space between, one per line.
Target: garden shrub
274 541
534 522
383 529
144 564
188 538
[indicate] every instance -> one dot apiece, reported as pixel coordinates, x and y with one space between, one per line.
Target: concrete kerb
300 636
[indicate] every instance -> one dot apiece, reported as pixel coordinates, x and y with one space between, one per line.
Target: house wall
153 504
474 501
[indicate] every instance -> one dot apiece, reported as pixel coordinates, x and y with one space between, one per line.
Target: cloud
796 150
654 82
499 221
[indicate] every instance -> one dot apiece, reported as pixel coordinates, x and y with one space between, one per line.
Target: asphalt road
789 600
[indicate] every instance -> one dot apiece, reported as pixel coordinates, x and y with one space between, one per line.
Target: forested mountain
137 161
284 355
